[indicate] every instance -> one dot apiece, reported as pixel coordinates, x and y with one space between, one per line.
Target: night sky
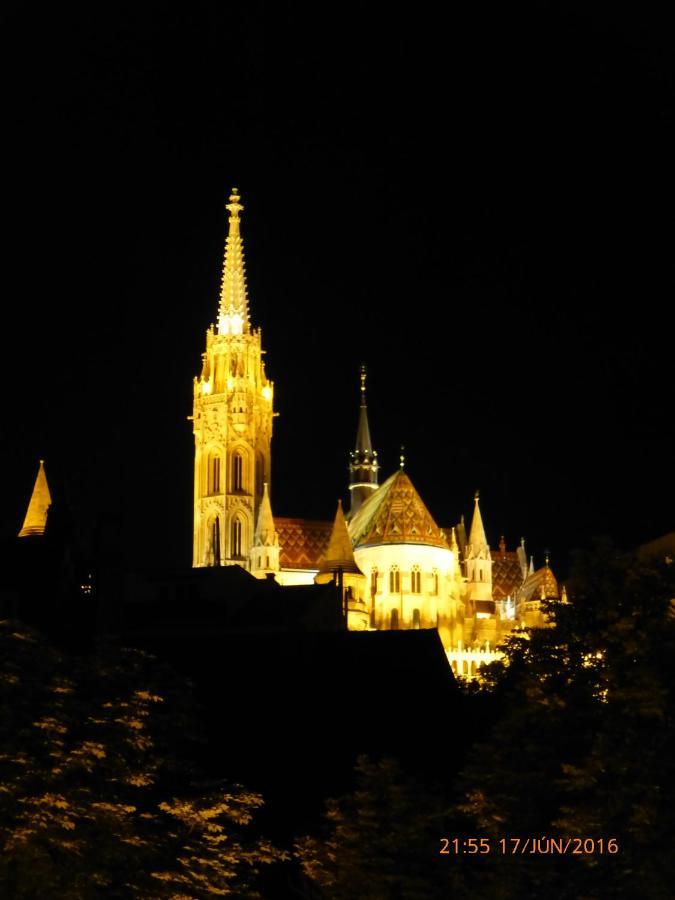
480 209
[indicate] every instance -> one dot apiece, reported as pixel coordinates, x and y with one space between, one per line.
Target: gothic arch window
434 582
238 471
394 581
213 475
416 619
215 542
393 620
415 580
373 581
235 539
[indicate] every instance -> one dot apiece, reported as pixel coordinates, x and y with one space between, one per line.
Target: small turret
338 564
265 550
478 559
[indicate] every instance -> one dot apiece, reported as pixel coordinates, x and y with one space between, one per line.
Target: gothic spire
233 309
265 534
477 539
363 465
363 442
40 501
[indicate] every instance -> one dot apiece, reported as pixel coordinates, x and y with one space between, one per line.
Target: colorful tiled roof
507 574
395 514
539 584
302 542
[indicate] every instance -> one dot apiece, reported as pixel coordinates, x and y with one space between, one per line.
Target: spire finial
363 374
402 456
547 554
234 206
476 496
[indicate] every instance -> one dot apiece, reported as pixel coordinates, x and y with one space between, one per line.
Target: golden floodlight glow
267 392
206 387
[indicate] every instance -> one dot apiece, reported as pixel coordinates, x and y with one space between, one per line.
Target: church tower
232 421
363 464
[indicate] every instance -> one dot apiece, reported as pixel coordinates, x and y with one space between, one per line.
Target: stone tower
232 421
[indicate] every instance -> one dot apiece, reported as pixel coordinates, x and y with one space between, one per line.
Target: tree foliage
585 746
97 795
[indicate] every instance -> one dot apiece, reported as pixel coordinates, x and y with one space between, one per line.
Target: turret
478 559
363 466
265 551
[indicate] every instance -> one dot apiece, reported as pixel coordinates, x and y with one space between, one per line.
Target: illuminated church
396 568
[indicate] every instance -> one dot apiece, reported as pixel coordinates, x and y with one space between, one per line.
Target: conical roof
339 553
40 501
477 539
265 533
395 514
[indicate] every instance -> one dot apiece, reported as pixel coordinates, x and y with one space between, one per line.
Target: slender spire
40 501
265 534
363 442
363 464
233 310
477 539
530 571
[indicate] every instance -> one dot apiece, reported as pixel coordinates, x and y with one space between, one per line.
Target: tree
380 841
585 745
98 794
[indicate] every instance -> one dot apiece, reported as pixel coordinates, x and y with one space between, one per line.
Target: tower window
393 620
237 472
236 538
373 581
214 474
434 582
215 541
394 581
415 580
416 618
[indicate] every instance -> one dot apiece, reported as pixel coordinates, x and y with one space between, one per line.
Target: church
395 566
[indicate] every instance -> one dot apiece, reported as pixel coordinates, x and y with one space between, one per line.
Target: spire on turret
35 522
477 540
265 549
339 554
363 465
233 309
265 533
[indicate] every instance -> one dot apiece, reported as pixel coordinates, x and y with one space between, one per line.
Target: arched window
434 582
416 618
415 580
465 668
215 541
393 620
214 474
236 538
237 472
373 581
394 580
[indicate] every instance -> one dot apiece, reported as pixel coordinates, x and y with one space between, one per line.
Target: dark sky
481 209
